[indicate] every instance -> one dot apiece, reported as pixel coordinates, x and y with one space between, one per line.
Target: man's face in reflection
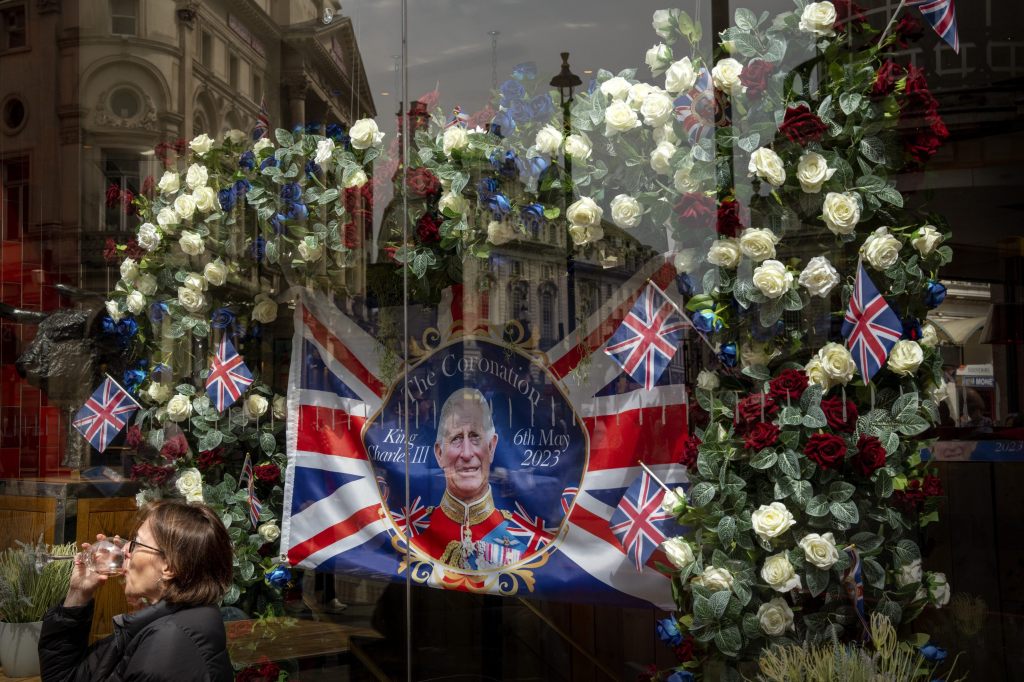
465 450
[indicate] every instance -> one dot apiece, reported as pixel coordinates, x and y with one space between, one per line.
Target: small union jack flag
262 127
229 377
531 528
414 519
255 507
853 583
246 476
871 327
648 337
942 16
568 497
104 414
639 522
695 109
458 118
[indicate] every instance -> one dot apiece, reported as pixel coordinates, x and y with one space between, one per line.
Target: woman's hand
84 580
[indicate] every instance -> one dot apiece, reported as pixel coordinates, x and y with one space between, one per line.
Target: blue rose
499 205
935 294
241 187
157 312
684 284
541 107
502 124
227 199
511 91
297 211
247 160
707 321
291 191
312 168
519 111
532 168
132 378
681 676
160 371
727 354
933 654
335 131
278 577
222 318
505 163
668 632
313 128
487 187
267 162
276 221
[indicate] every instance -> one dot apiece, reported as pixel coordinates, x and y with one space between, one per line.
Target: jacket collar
133 623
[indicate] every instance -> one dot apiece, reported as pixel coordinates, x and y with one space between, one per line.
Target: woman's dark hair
196 546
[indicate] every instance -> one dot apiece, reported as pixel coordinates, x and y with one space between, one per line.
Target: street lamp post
566 81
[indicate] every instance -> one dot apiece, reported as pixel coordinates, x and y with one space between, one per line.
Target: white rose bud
661 158
841 212
658 58
771 520
196 176
754 353
148 236
638 92
778 572
905 357
819 277
216 272
818 19
201 144
616 88
726 74
191 243
280 407
184 206
626 211
725 253
684 261
324 151
578 147
499 233
925 240
680 76
619 117
357 179
310 249
265 309
929 337
269 532
758 243
775 617
584 212
179 408
657 109
455 203
146 284
679 552
549 140
767 165
194 280
819 550
715 579
454 138
938 589
191 299
113 310
167 218
255 406
909 573
585 234
206 199
236 136
708 380
158 392
129 270
773 279
837 363
135 302
169 182
674 501
683 182
189 483
364 134
261 144
881 249
664 23
812 171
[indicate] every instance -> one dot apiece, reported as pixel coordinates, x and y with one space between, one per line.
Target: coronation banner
486 464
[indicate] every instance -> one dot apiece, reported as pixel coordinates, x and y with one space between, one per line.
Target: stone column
295 91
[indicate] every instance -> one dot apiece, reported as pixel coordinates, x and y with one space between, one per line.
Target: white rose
881 249
925 240
771 520
179 408
684 260
661 158
455 203
310 249
499 233
196 176
841 211
938 589
820 550
753 353
184 206
265 309
674 501
816 375
191 243
324 151
236 136
758 243
159 392
929 337
679 552
658 58
778 572
255 406
665 133
261 144
365 134
812 171
146 284
664 23
585 212
905 357
169 182
167 218
454 138
836 363
683 182
194 280
767 165
280 407
548 140
618 118
191 299
357 179
269 532
819 277
585 234
680 76
657 109
708 380
189 483
201 144
818 19
135 302
578 147
773 279
626 211
113 310
909 573
206 199
638 93
129 270
148 237
775 617
715 579
725 253
616 88
216 272
726 74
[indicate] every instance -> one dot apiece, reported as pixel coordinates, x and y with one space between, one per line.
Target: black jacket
161 642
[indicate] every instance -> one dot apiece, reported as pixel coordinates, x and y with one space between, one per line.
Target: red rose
917 82
826 450
110 250
690 452
350 236
885 80
755 77
801 125
155 475
751 410
148 185
833 409
266 473
210 459
848 11
421 182
908 30
428 229
911 497
761 435
729 222
789 385
932 486
133 250
684 652
113 195
358 202
870 455
175 447
695 206
133 438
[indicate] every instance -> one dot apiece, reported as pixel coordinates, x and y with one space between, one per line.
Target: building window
12 23
121 180
13 114
15 198
257 88
233 71
124 17
547 315
206 50
124 103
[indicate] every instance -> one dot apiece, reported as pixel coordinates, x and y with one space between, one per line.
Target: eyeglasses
135 542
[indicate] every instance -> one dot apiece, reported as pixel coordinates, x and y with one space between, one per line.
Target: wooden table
249 641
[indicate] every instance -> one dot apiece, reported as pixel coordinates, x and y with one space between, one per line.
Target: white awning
960 329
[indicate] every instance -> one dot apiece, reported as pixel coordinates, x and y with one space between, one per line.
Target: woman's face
144 568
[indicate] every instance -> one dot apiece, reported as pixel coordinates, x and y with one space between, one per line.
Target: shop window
15 198
121 180
124 17
233 71
12 23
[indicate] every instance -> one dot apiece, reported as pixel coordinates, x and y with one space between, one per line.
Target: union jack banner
696 108
942 16
529 527
853 583
647 340
262 127
458 118
639 522
229 377
413 519
871 327
104 414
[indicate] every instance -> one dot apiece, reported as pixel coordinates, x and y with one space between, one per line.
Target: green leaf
874 574
883 484
726 530
815 418
758 372
765 459
817 506
268 443
246 570
850 101
729 640
890 195
788 464
790 416
232 594
817 580
210 440
718 603
186 389
284 138
702 493
802 491
745 19
906 552
841 491
867 542
844 512
873 149
702 609
912 425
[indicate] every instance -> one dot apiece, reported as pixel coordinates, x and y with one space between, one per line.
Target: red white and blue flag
695 108
229 377
104 414
871 327
534 533
942 16
458 118
648 338
248 481
262 127
414 519
639 522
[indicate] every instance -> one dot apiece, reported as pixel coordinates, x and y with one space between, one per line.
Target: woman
178 564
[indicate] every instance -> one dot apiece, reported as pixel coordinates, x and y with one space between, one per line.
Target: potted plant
27 591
